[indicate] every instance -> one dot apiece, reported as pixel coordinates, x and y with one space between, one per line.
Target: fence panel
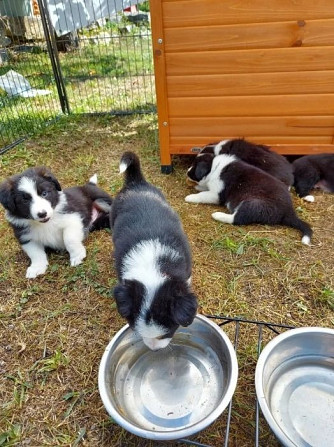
93 56
28 94
108 66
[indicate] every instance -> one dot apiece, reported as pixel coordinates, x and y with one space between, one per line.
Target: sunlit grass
107 73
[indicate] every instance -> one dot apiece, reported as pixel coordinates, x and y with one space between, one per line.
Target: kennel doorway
258 70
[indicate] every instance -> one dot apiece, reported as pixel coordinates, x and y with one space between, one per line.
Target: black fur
18 202
257 197
258 155
40 223
313 171
141 214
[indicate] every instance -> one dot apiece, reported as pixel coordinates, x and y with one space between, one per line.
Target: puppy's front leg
203 197
39 260
73 238
201 188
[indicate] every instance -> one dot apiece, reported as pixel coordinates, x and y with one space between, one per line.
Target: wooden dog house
257 69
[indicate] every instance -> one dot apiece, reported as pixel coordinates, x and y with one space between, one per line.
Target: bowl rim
183 432
270 346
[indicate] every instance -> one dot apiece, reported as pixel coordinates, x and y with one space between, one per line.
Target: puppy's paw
308 198
78 257
192 198
36 269
223 217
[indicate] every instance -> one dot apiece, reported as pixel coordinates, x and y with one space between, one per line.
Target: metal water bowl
171 393
294 382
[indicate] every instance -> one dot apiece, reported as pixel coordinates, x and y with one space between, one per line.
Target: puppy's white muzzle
154 344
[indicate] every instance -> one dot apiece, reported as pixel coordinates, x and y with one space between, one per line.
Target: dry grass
53 330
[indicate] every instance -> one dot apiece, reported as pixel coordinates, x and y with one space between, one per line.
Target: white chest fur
51 233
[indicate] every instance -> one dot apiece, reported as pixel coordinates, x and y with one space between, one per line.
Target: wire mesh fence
87 56
28 98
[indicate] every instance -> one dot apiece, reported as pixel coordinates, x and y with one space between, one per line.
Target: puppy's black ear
123 300
46 173
6 196
184 309
202 169
129 296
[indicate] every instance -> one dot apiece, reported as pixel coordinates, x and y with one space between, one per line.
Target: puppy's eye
44 193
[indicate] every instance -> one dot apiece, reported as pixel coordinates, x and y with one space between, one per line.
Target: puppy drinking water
153 259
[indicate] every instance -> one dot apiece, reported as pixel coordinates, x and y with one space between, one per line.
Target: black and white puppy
153 259
43 216
256 155
252 195
311 172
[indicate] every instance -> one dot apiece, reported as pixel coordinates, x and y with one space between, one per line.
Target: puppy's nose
42 214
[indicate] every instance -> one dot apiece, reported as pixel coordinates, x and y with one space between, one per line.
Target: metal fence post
54 56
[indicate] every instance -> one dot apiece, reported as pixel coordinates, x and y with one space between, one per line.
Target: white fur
309 198
224 217
219 145
93 179
39 260
64 231
141 264
123 167
203 197
306 240
38 204
212 185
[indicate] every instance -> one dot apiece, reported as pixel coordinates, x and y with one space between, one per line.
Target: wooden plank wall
258 69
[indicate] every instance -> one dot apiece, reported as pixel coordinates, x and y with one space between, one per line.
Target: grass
108 72
54 329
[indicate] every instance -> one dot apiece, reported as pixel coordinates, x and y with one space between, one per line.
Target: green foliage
53 363
326 297
21 385
11 436
246 242
145 6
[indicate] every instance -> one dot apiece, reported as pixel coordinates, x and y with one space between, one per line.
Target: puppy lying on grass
42 215
250 194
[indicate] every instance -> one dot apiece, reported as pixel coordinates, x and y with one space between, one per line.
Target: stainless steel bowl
171 393
294 382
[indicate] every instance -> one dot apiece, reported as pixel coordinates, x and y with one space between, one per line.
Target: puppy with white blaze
153 259
250 194
42 215
257 155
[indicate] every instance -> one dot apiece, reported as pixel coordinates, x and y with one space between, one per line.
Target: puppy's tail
102 202
93 180
294 222
130 164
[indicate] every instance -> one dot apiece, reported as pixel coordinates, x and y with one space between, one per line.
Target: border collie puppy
313 171
254 154
43 216
153 259
252 195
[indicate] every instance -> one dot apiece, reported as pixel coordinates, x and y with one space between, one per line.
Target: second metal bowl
294 382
